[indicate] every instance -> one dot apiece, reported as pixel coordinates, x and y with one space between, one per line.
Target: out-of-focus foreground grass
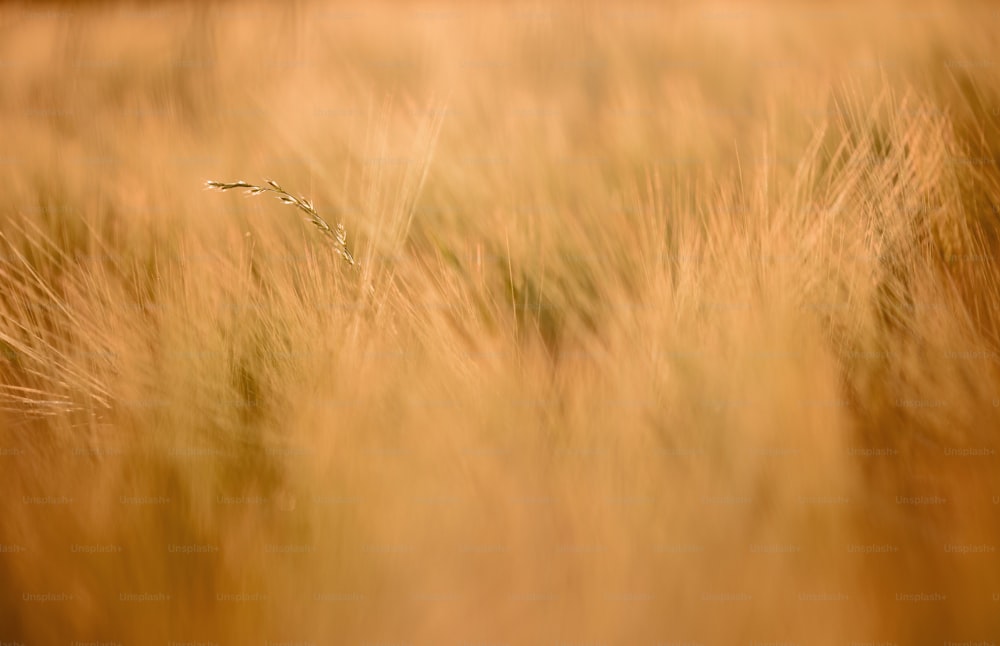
673 324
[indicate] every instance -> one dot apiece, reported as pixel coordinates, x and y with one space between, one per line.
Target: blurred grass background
676 323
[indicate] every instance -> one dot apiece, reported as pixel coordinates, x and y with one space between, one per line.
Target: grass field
669 324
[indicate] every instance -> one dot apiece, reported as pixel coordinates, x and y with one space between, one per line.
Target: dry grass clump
665 324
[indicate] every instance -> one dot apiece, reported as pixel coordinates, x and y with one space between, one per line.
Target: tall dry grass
671 323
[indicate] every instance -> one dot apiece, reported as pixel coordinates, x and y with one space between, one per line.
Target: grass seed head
338 237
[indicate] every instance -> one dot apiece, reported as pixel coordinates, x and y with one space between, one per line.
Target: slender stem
338 235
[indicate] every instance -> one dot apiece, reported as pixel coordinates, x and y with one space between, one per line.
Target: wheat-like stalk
338 235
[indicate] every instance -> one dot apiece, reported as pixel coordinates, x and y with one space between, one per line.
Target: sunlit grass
656 323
